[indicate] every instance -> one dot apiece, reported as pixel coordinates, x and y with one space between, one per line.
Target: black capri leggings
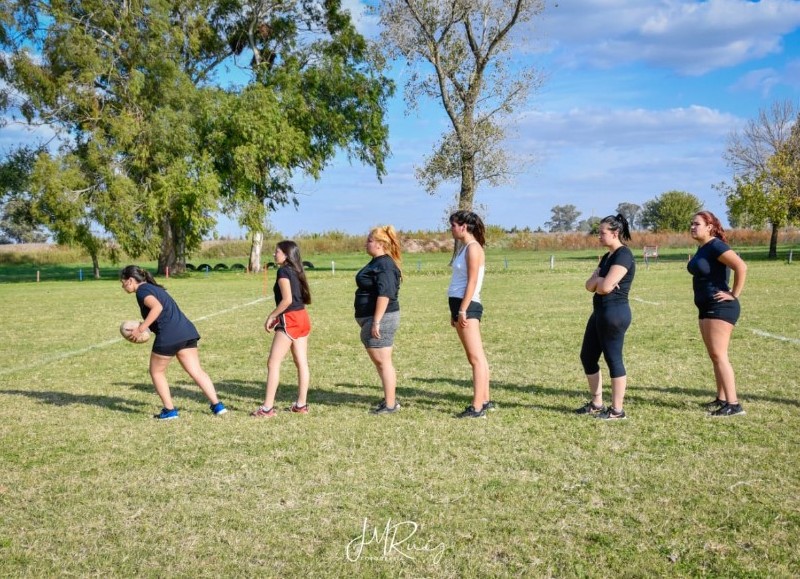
605 334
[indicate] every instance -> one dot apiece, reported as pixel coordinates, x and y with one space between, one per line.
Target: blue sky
640 98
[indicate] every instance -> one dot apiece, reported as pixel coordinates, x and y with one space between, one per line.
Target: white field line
646 302
73 353
775 336
757 332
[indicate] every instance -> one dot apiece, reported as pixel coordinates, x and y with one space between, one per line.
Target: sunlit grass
91 485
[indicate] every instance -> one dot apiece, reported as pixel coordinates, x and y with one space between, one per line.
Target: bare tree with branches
461 53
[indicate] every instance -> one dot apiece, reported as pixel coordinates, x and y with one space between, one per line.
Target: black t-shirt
171 326
379 278
622 257
286 272
709 274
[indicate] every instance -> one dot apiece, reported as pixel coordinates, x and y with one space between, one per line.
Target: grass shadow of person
55 398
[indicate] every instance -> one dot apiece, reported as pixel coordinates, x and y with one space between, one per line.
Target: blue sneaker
218 408
166 414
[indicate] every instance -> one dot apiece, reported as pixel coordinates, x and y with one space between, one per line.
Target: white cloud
14 134
365 23
587 127
683 35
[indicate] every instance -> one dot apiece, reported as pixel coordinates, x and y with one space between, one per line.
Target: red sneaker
262 412
300 409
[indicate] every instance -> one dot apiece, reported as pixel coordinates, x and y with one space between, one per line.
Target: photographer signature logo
380 543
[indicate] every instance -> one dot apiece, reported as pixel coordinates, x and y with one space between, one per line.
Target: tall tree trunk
773 242
466 196
173 249
95 265
167 257
255 251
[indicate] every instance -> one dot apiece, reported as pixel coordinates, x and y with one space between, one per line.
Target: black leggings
605 334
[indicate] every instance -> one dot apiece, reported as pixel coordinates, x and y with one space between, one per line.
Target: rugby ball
126 329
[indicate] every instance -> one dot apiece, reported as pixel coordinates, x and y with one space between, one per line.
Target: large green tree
136 93
670 211
462 55
315 87
764 157
118 81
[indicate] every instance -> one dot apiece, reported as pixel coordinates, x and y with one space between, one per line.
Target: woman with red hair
717 304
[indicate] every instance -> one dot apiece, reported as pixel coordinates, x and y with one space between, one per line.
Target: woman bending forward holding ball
464 297
176 337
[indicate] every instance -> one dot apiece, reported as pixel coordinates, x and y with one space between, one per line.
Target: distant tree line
671 211
765 192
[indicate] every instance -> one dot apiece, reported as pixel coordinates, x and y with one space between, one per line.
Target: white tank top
458 282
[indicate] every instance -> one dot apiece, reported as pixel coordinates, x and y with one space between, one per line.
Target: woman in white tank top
464 296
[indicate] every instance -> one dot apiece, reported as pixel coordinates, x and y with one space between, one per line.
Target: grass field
90 484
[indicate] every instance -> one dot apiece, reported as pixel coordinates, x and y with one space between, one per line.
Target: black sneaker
470 412
612 414
590 408
729 410
489 406
715 404
383 409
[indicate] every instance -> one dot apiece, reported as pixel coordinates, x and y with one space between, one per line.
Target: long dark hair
295 262
618 223
473 222
137 273
716 227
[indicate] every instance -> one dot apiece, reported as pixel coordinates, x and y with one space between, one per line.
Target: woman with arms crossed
717 304
377 310
176 337
611 316
289 320
466 310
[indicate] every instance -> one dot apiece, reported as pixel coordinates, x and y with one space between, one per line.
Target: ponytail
140 275
618 223
386 235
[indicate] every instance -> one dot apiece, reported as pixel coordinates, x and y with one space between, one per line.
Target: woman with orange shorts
291 325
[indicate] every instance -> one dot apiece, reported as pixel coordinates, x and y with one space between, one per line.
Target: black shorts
172 349
474 311
726 310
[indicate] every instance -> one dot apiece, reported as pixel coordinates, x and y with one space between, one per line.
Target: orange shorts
295 324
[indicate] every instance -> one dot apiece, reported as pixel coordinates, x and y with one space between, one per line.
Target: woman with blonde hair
377 309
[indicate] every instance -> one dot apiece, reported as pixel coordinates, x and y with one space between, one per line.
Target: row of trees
671 211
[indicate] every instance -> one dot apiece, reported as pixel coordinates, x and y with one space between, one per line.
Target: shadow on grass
699 395
66 399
